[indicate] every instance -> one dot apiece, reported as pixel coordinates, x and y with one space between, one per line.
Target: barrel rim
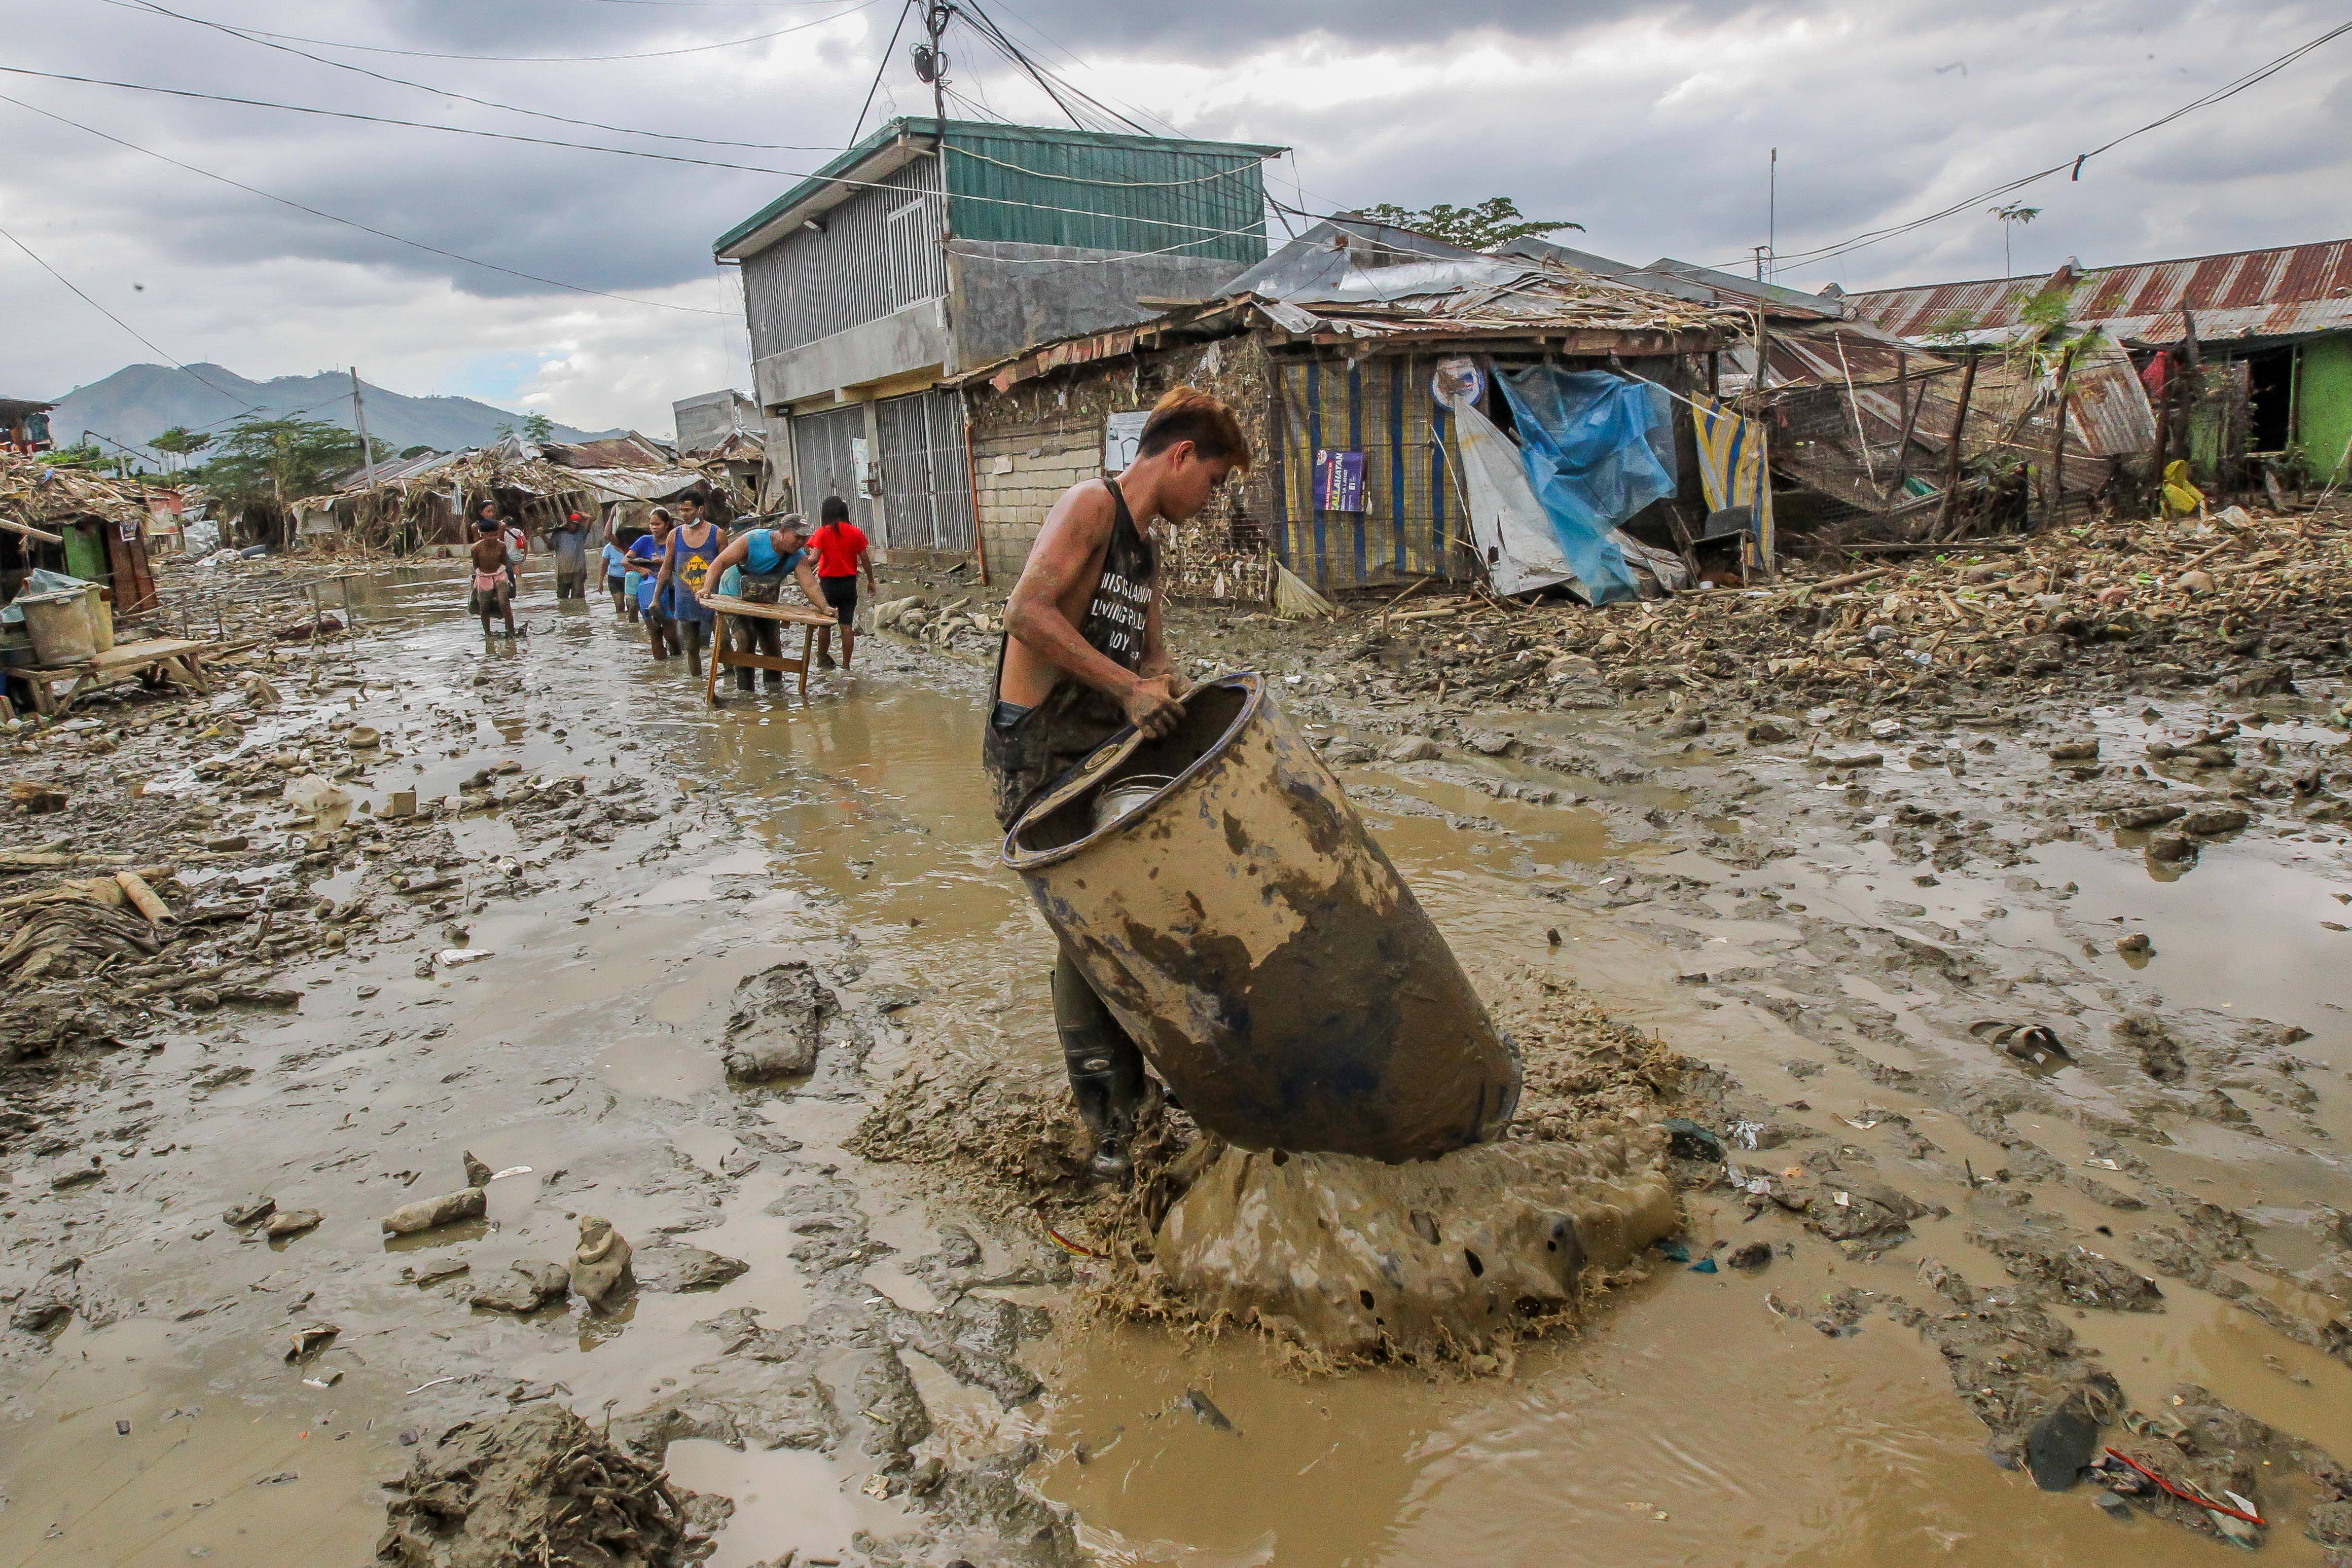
1251 682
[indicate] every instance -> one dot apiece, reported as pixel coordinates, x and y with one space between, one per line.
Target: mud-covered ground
2014 1077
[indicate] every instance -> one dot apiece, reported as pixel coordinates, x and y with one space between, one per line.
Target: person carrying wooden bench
763 558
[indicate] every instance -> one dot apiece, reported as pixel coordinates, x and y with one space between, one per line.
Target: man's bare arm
737 551
1070 546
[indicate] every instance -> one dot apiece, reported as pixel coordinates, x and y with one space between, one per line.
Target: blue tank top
689 569
761 556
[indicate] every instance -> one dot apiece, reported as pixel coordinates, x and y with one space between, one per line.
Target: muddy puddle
882 1332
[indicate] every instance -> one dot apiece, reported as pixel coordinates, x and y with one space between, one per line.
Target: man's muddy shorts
841 592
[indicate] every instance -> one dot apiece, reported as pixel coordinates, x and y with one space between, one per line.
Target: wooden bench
722 657
153 660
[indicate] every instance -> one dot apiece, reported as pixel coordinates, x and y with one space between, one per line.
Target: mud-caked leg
1107 1075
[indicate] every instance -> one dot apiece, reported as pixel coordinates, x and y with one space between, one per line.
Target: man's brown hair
1187 413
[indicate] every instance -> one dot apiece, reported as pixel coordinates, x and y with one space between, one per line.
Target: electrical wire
1084 180
263 408
353 222
565 59
1052 43
879 67
1258 227
842 180
1003 40
2075 165
996 40
265 42
110 315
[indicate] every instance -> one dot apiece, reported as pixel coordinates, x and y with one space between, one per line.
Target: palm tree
2013 214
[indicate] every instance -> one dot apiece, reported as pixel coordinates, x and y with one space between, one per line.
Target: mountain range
138 402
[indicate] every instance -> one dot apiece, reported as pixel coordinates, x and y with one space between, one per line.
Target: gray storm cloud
1649 124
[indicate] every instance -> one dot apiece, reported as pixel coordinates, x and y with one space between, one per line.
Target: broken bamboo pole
144 897
1952 468
2057 502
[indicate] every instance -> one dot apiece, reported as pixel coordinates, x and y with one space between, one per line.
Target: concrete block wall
1020 472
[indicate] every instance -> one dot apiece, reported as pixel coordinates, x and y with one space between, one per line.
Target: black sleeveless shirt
1040 745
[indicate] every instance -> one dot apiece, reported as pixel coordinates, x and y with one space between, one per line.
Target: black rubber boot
1106 1069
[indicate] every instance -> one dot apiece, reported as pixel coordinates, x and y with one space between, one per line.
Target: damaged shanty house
933 247
2247 356
1419 411
1857 422
83 524
411 504
726 428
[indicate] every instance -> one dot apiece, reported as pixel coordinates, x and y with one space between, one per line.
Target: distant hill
138 402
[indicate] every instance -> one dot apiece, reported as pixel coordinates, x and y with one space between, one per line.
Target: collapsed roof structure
402 504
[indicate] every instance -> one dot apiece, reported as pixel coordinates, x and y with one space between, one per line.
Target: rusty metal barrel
1258 946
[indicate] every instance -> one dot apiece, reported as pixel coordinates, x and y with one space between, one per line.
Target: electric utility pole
359 417
930 61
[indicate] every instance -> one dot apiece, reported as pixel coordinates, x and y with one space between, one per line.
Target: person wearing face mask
694 544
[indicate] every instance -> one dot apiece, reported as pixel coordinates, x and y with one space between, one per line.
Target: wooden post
2162 452
2050 513
1910 407
972 479
1952 465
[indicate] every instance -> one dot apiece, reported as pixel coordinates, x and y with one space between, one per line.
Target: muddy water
1693 1422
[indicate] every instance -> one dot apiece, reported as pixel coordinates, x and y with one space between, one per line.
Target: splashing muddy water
887 1329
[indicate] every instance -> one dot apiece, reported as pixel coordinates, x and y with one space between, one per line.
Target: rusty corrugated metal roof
2282 293
1441 298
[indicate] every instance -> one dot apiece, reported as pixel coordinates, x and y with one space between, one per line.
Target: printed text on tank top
1121 607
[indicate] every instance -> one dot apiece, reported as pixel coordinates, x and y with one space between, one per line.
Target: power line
353 222
265 41
714 5
1051 42
110 315
879 67
1107 260
1003 41
1087 180
566 59
842 180
2075 165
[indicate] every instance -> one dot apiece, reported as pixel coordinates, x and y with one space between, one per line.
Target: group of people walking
664 578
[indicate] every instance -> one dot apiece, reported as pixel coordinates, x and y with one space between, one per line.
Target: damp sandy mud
1956 1173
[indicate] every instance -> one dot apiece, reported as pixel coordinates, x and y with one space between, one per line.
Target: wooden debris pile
2246 603
36 495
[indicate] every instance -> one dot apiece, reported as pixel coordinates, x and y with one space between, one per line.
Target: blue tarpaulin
1597 449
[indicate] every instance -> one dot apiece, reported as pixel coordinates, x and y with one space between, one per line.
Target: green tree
180 441
537 428
87 454
1490 224
270 462
418 450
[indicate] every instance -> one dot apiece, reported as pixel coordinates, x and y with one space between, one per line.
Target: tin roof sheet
2290 292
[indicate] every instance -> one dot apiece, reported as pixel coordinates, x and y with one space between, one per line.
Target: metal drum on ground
1259 947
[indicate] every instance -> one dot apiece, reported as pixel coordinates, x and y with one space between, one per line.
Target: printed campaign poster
1339 481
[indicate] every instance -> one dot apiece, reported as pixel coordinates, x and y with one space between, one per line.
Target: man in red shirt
840 548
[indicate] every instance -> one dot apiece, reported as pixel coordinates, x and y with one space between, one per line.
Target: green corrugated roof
845 164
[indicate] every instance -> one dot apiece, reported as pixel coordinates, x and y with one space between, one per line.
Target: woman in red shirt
840 549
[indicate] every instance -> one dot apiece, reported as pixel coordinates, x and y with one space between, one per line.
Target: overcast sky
1650 124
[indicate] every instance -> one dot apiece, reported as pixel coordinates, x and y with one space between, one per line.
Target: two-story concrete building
934 246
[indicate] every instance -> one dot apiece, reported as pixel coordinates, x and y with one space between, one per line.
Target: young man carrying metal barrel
1082 657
